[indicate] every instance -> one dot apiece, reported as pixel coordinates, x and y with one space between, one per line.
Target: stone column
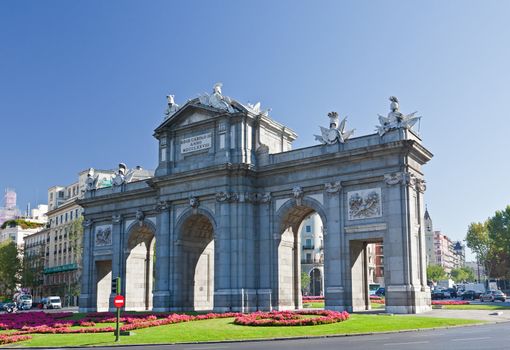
116 256
404 292
161 295
87 301
334 258
358 257
265 240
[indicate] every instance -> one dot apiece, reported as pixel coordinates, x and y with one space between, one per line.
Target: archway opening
197 264
300 253
103 284
315 286
367 274
140 268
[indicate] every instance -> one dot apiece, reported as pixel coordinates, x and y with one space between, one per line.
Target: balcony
308 246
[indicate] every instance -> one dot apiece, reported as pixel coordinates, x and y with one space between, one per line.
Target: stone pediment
193 117
190 113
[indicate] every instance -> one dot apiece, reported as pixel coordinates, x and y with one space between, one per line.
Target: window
66 217
308 243
308 257
308 228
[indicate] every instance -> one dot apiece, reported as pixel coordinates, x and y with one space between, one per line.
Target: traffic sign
118 301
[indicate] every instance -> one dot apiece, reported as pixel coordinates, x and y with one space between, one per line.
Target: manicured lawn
224 329
315 305
320 305
476 307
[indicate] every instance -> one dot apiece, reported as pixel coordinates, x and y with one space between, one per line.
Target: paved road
487 337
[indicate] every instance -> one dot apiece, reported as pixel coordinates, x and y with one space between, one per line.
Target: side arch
138 252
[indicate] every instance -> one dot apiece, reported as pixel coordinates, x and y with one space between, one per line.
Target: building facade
63 251
459 254
441 250
223 211
34 260
312 253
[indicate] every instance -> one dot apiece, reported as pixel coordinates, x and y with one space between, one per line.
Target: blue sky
83 83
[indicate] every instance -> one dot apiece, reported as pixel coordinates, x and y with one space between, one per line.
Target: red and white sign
118 301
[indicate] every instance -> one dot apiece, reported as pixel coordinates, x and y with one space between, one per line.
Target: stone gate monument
217 227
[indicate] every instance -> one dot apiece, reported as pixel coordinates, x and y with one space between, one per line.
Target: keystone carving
116 218
194 202
140 216
162 205
332 187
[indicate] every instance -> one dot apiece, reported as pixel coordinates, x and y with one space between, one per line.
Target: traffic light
116 285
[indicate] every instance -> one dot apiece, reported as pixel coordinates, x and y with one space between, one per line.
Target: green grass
320 305
315 305
476 307
225 329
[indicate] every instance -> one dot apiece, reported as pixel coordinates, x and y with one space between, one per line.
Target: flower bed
288 318
7 339
34 319
377 301
450 302
313 299
24 324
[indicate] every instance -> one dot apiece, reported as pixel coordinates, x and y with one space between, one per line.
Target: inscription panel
196 143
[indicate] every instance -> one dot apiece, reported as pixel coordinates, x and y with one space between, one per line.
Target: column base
161 301
407 299
242 300
87 303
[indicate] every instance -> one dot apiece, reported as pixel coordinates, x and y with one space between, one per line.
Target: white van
53 302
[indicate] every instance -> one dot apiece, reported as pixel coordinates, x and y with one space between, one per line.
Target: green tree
498 228
463 274
478 240
32 269
305 282
436 273
10 268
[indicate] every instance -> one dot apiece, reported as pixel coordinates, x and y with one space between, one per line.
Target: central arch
196 266
290 218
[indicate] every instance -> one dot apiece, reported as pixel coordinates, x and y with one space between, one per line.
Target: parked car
42 303
493 295
453 292
372 288
10 307
24 301
380 292
471 295
438 294
54 302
